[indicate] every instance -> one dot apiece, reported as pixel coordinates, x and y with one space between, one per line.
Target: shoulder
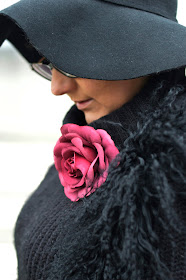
140 207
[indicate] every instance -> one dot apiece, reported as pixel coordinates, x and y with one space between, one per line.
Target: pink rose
82 156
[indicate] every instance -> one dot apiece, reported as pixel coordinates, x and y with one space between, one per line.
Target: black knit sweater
131 228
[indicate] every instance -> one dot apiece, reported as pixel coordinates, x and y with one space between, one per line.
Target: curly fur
135 230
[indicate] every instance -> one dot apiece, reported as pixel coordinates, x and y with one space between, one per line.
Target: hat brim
94 39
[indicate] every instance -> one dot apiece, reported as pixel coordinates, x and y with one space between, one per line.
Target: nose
61 84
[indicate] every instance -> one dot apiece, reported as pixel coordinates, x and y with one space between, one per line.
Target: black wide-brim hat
98 39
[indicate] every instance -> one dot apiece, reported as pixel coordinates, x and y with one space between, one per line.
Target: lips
83 104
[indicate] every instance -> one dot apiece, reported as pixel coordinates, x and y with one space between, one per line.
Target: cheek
106 94
93 88
110 101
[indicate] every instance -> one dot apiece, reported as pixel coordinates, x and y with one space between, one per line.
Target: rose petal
78 194
86 132
60 146
66 180
90 134
106 163
90 173
57 162
87 152
69 127
101 156
81 163
65 145
108 144
66 153
105 138
69 136
73 196
57 149
111 152
78 184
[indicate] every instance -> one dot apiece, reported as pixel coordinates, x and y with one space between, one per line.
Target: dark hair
130 228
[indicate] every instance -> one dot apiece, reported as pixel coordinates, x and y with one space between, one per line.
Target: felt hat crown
98 39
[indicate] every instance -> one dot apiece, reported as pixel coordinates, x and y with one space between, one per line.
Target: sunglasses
44 69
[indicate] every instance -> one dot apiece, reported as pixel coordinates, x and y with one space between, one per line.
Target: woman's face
96 98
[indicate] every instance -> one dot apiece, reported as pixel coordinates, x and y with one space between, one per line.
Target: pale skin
96 98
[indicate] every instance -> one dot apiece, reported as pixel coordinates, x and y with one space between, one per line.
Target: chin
89 120
92 118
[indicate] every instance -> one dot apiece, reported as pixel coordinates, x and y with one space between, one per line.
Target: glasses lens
43 70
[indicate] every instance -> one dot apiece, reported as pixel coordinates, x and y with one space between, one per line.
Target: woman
113 206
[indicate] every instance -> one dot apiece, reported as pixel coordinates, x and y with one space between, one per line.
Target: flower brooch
82 156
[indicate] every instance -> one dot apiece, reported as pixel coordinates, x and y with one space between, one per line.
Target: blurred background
30 121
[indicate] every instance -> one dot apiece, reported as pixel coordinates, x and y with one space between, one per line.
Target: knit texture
124 230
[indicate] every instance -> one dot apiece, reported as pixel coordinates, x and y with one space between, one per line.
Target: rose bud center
71 168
